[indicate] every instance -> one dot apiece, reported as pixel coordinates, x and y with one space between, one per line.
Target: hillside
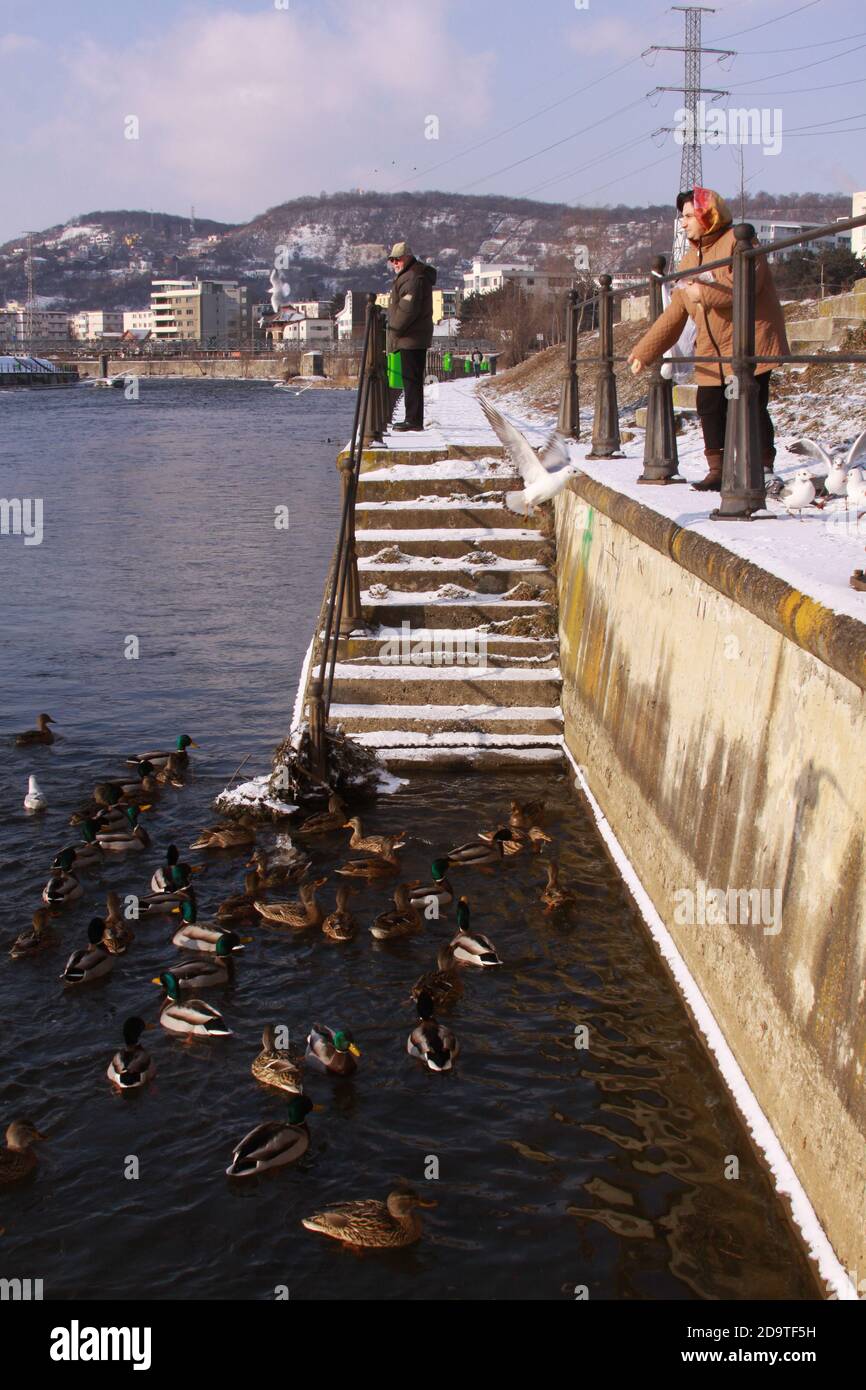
336 242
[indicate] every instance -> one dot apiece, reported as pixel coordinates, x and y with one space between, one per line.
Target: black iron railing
743 490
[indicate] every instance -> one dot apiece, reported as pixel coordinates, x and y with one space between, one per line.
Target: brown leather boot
713 481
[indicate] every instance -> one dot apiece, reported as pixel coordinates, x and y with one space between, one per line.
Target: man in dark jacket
410 327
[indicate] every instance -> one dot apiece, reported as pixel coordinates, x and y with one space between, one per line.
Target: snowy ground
815 555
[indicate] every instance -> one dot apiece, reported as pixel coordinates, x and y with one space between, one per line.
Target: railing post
743 489
660 458
605 425
316 721
568 423
375 423
351 615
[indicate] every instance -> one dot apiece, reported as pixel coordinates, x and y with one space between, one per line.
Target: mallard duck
305 912
145 785
538 838
89 962
443 984
36 939
333 1051
191 1017
63 886
403 921
341 924
272 1144
162 755
41 734
194 936
233 835
118 935
435 1044
171 775
525 814
552 894
372 1225
477 854
373 844
382 866
471 948
288 870
172 875
131 1067
132 836
440 888
162 904
274 1066
324 821
87 853
205 971
512 841
239 909
108 813
17 1158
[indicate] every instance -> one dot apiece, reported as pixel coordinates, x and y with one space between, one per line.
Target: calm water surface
558 1167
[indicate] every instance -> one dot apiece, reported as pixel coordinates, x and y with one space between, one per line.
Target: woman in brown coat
707 298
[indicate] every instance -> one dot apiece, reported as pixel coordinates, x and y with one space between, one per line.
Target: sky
238 105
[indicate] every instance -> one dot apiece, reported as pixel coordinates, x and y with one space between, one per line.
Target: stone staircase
458 665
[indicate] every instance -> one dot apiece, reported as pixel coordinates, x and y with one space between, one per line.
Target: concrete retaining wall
719 716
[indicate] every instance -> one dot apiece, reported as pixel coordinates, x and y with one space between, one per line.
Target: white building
309 331
767 232
20 326
210 312
352 317
858 236
88 324
487 276
312 308
138 321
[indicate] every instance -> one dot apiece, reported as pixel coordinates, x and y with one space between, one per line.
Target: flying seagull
544 474
836 482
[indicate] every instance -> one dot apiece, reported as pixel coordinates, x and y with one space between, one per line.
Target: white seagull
35 798
856 490
836 481
799 493
544 474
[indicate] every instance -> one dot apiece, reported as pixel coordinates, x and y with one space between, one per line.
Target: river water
560 1168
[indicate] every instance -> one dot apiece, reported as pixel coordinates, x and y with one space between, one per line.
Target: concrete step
426 576
447 720
454 645
428 455
463 759
402 481
455 544
360 683
521 617
460 512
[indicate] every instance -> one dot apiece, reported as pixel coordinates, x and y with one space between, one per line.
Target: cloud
239 111
16 43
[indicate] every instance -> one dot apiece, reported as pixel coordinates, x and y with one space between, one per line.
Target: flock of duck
110 824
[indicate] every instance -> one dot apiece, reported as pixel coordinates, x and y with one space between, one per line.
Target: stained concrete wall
720 719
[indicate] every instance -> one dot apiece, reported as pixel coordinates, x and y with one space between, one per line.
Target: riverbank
338 370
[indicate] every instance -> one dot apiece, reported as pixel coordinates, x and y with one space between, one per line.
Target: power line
569 173
800 48
769 76
775 20
797 91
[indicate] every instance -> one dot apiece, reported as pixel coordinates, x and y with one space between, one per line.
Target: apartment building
20 326
213 313
487 276
89 324
138 321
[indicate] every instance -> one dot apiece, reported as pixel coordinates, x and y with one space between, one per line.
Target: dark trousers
412 364
712 405
476 367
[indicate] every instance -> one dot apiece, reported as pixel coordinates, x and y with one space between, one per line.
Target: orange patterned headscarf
711 210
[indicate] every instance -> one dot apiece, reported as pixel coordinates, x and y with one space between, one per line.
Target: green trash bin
395 371
467 366
485 365
446 361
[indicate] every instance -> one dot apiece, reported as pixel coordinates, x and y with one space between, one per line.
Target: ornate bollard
605 425
743 490
318 740
569 400
660 458
351 615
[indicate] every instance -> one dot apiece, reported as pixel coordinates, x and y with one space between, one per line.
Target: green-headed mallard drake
405 920
36 939
239 909
196 936
118 935
435 1044
62 887
143 788
41 734
189 1017
324 821
525 814
290 869
333 1050
205 971
17 1159
372 1225
87 852
171 876
440 888
512 841
89 962
553 895
341 924
273 1144
227 835
477 854
305 912
443 984
132 836
373 844
161 756
162 904
131 1067
275 1066
380 866
469 947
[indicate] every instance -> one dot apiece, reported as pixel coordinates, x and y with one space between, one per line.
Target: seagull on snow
836 481
799 493
544 474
